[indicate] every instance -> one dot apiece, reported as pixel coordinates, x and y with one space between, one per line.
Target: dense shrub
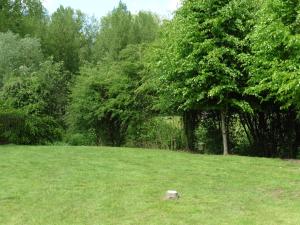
158 132
12 123
18 128
81 139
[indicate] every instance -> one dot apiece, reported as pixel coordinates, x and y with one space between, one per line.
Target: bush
18 128
158 132
80 139
12 123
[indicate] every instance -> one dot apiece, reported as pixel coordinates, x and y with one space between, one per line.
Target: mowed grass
89 185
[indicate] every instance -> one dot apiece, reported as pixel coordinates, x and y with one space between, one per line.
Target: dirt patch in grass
277 193
292 160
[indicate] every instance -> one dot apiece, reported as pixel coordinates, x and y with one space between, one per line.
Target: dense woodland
221 76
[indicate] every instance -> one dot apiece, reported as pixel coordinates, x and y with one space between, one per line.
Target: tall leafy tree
16 52
114 33
32 94
64 39
275 45
120 28
105 100
90 31
22 17
4 15
32 102
274 83
201 58
145 28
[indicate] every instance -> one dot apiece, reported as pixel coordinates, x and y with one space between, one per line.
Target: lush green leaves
104 99
120 28
200 56
33 97
22 17
18 54
275 62
235 56
64 38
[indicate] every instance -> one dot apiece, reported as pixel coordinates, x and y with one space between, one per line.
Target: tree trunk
224 133
190 122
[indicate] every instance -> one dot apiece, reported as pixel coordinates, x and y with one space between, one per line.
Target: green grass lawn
89 185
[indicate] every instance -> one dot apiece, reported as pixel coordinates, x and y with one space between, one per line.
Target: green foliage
64 39
22 17
103 99
33 96
201 62
24 119
114 33
39 92
95 102
80 139
11 125
275 59
20 128
89 31
273 86
18 54
239 137
120 28
144 28
234 57
209 138
159 133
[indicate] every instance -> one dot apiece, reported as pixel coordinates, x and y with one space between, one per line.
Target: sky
99 8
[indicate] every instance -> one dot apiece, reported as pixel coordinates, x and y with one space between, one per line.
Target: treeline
221 76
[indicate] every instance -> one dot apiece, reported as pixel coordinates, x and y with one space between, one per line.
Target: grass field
89 185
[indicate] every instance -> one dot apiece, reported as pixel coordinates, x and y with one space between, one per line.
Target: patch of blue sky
100 8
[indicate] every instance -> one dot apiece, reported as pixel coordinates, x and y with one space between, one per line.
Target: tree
105 102
104 99
4 15
16 52
90 31
33 92
273 87
38 99
114 34
22 17
120 28
275 45
145 28
63 38
201 57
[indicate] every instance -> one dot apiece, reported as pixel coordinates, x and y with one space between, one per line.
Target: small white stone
170 195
